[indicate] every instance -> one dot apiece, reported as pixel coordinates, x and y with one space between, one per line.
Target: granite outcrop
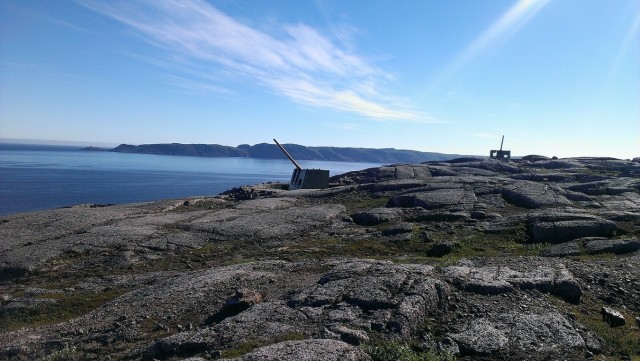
468 259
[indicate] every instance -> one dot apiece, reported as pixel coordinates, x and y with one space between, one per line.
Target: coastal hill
468 259
271 151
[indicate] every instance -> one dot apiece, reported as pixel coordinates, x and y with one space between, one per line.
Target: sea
39 177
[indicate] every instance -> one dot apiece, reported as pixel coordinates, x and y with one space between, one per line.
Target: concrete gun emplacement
305 178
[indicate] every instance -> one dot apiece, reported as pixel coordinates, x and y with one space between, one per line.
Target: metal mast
288 155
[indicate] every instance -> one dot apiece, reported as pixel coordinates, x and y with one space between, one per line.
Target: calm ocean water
43 177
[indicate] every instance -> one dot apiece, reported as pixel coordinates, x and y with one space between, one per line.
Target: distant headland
271 151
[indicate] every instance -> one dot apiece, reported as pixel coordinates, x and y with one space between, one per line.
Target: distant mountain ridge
298 152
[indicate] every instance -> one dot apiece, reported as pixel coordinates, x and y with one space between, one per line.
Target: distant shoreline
271 151
257 151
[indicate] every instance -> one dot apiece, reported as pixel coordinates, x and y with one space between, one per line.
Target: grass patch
477 244
64 308
66 354
360 201
394 350
618 342
470 243
372 248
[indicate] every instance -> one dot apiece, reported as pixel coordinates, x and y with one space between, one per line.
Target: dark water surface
43 177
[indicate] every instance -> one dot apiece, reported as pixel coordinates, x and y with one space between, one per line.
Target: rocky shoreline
468 259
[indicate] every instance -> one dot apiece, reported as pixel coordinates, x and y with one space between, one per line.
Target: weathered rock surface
533 195
617 246
433 257
308 350
376 216
497 280
531 336
563 250
612 317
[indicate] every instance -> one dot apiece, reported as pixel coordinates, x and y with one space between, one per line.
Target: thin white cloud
197 87
299 62
499 32
628 44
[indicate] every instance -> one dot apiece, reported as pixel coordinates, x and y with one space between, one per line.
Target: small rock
397 229
241 301
449 346
376 216
350 336
425 237
442 248
612 317
478 214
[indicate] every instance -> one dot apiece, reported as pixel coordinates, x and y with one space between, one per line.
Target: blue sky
556 77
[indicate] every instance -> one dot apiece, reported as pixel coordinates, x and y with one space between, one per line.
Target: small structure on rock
306 178
500 154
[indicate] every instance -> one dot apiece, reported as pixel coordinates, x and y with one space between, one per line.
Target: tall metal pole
288 155
500 143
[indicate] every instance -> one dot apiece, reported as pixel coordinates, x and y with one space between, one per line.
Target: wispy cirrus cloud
295 61
497 33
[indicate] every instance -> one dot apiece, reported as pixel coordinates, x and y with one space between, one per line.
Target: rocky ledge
470 259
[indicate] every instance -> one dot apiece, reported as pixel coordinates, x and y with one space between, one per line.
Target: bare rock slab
497 280
374 295
529 194
376 216
513 335
563 250
616 246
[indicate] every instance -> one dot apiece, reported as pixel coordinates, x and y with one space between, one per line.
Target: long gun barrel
288 155
500 143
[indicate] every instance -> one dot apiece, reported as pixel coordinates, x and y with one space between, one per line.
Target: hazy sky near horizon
556 77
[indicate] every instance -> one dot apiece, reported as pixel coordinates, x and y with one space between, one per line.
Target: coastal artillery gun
305 178
500 154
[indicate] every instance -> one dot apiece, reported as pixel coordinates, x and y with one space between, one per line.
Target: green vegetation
61 307
66 354
359 201
394 350
476 244
618 342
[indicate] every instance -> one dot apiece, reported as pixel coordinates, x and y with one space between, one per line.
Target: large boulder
497 280
568 230
617 246
521 335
